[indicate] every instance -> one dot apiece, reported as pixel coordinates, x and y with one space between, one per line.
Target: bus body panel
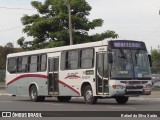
69 82
20 84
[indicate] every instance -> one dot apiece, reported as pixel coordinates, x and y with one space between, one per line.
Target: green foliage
2 76
155 61
4 51
49 27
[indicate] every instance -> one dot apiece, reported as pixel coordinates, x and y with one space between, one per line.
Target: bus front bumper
130 92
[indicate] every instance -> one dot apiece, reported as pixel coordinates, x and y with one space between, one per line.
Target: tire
122 100
64 98
88 95
33 93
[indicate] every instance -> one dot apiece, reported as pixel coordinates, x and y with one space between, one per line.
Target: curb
3 92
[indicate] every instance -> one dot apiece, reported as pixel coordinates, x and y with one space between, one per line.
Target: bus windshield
130 64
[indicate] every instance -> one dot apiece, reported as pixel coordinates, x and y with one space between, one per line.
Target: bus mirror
110 59
150 60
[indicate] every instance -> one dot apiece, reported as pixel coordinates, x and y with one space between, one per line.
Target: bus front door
102 73
53 76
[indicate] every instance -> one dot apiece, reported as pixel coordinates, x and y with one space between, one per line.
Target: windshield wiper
123 54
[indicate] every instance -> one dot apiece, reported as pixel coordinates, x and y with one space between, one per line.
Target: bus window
19 64
25 64
73 59
11 67
69 60
43 62
87 58
33 64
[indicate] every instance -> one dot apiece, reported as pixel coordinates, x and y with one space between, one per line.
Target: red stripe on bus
40 76
69 87
27 75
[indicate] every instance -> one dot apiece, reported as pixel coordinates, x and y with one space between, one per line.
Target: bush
2 75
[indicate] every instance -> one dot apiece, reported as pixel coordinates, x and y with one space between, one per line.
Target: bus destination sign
127 44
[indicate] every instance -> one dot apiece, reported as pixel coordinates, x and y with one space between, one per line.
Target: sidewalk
3 92
154 94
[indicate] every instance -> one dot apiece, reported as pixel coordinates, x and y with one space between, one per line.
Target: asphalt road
77 104
147 103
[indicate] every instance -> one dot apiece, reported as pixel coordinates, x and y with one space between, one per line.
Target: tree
4 51
49 27
155 61
10 45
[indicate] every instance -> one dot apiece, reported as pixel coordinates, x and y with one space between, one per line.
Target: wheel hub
88 95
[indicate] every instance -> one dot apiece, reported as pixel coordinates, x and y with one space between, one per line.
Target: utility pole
70 22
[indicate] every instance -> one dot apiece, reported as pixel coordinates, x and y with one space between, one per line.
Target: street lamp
70 21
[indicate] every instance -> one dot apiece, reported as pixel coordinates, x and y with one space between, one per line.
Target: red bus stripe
40 76
69 87
27 75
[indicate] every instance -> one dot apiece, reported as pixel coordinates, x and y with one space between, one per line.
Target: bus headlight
148 86
147 89
118 86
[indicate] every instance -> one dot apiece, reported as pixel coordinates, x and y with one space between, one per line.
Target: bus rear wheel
64 98
88 95
33 93
122 100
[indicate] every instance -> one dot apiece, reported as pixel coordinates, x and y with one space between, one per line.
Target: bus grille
134 92
134 87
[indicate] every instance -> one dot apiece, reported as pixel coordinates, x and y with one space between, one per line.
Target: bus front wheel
33 93
88 95
122 100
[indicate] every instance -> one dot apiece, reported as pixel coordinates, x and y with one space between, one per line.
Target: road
148 103
77 104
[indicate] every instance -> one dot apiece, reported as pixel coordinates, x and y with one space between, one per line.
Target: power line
10 29
16 8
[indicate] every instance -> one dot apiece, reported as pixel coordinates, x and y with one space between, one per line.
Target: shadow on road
79 101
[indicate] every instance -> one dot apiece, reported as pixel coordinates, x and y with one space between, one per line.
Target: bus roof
62 48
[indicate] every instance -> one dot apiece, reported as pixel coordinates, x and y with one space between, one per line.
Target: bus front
130 73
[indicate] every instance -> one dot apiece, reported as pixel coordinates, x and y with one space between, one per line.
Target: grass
2 85
155 89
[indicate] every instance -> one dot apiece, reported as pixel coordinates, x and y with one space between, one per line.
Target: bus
116 69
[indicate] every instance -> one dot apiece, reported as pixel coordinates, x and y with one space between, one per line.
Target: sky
130 19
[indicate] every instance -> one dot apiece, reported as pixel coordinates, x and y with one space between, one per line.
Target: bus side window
69 60
87 60
25 64
43 62
19 64
11 67
73 59
63 60
33 63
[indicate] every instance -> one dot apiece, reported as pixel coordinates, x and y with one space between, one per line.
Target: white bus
105 69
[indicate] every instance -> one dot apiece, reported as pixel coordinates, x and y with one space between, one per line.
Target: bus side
63 76
24 71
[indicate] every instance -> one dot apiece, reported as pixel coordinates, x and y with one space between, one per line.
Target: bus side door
53 75
102 73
